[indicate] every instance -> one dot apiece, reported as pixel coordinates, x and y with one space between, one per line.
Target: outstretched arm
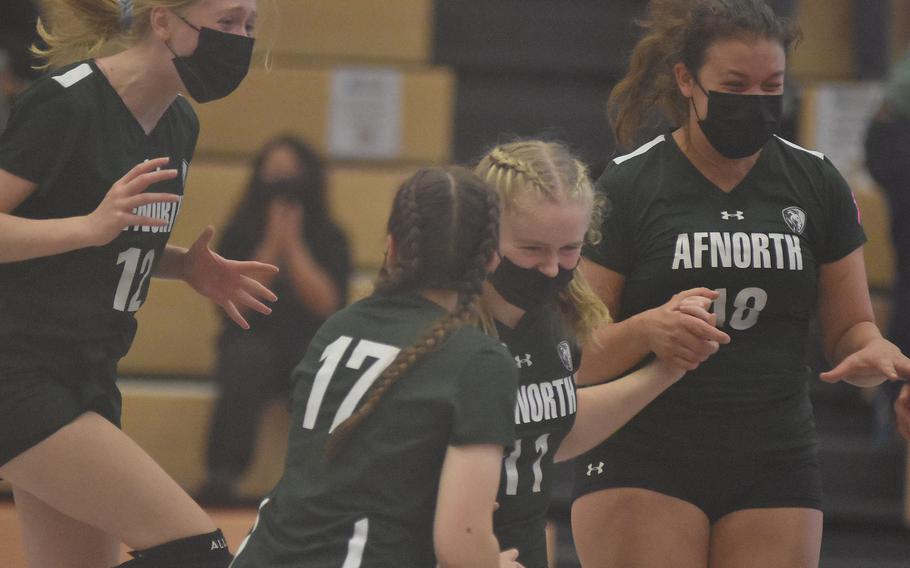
852 341
231 284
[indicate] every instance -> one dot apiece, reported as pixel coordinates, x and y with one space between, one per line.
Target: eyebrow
740 75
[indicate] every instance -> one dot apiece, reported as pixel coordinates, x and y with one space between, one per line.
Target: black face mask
217 66
739 125
527 288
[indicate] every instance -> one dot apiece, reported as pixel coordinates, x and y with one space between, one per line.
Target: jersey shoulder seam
815 153
640 150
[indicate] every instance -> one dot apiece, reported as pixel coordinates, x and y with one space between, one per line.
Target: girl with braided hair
83 228
542 308
401 408
722 469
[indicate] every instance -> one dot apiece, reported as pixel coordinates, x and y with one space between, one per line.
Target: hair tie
126 14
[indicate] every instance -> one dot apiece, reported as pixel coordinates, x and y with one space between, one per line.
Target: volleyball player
401 408
722 469
92 170
541 308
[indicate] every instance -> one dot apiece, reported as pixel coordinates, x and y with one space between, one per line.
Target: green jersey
760 246
373 504
73 136
546 357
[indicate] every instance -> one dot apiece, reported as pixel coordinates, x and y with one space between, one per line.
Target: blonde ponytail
74 30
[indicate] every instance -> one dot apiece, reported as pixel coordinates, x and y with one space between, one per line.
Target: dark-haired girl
283 220
401 407
721 470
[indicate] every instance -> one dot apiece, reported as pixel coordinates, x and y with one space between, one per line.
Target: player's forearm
469 551
613 349
604 409
172 264
23 239
852 340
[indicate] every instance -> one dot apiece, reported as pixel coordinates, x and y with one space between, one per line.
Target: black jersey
74 137
547 357
760 246
373 504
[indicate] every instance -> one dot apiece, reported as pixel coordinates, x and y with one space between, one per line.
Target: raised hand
682 331
228 283
115 212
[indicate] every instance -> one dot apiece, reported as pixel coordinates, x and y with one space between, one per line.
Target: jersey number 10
747 305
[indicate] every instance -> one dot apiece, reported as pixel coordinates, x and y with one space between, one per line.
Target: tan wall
357 30
298 101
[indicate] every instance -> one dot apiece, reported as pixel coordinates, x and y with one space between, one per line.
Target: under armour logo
599 468
727 216
523 362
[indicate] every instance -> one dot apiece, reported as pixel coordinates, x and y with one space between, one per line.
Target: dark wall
538 68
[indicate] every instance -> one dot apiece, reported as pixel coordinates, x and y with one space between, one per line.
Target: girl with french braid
542 309
401 408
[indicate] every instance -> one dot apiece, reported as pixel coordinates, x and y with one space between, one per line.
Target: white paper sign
365 116
843 111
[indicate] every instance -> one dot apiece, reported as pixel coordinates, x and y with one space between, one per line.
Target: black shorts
718 478
45 385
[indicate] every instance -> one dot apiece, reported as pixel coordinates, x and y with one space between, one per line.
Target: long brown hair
682 31
445 226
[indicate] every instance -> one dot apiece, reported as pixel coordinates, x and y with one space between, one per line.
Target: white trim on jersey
357 543
818 155
640 150
74 75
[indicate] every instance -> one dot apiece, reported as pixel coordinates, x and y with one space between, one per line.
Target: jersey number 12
130 261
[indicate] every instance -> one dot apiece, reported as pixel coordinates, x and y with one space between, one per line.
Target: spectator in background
16 72
888 160
283 219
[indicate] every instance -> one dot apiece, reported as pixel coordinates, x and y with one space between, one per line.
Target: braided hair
445 226
550 171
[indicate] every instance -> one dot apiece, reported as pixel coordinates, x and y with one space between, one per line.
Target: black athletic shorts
45 385
718 466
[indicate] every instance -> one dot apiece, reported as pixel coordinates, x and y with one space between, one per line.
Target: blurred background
381 87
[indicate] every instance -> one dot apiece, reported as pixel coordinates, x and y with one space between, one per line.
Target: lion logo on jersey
795 218
565 355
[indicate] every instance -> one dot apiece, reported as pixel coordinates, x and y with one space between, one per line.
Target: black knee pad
201 551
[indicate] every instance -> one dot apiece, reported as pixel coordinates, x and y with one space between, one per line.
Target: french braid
466 228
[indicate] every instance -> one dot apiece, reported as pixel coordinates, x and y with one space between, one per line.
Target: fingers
147 198
143 181
205 237
701 291
253 267
144 167
247 300
837 373
258 289
510 554
703 330
231 310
